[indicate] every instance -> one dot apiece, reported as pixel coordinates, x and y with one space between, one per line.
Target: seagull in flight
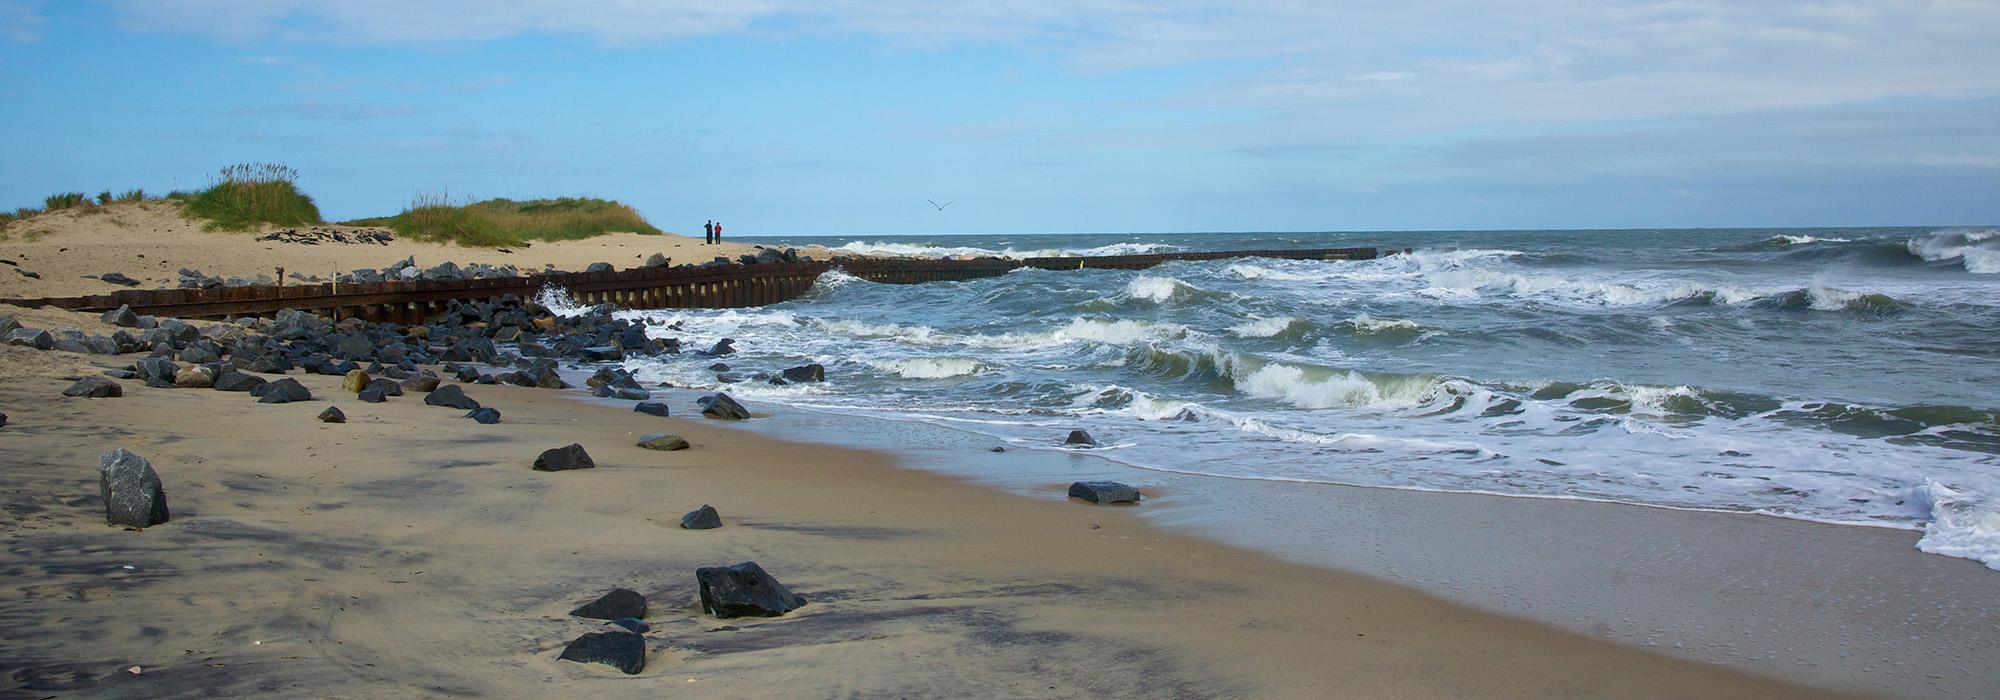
940 207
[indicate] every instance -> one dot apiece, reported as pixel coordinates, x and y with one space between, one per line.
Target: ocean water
1838 375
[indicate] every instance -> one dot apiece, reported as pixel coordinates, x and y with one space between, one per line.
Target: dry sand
151 242
410 552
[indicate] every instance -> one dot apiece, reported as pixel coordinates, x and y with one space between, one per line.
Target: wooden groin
734 286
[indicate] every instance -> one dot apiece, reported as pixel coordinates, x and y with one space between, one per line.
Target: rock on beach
744 590
131 489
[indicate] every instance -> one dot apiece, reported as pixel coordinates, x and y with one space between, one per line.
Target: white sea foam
906 250
1962 524
1154 289
1978 249
929 367
1363 323
557 300
1263 327
1789 239
1257 272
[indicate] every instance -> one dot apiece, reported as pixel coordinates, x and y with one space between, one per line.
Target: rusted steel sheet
660 287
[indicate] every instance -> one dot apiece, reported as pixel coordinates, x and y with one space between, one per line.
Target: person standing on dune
708 233
718 233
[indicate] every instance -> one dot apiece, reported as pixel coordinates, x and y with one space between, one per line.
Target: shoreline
995 594
1835 605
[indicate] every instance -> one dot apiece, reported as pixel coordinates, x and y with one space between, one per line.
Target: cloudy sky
787 117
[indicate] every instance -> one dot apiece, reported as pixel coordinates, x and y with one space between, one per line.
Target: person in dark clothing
708 233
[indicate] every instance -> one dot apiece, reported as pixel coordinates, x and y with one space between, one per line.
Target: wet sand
411 552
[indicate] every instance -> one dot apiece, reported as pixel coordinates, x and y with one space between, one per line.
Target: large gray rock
599 267
422 383
332 414
744 590
131 490
231 380
1104 492
484 415
564 458
719 405
287 390
621 650
651 408
122 316
196 377
664 442
118 278
450 396
703 518
1081 438
31 337
95 388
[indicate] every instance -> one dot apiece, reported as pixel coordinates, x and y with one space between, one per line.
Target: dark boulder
285 390
122 316
484 415
3 420
389 387
653 408
620 602
1080 438
634 394
719 405
599 267
31 337
621 650
807 373
158 372
118 278
744 590
664 442
657 260
604 392
332 414
724 346
703 518
1104 492
450 396
372 395
719 367
237 381
564 458
131 490
95 388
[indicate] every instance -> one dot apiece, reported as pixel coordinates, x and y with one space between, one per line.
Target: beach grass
501 222
247 195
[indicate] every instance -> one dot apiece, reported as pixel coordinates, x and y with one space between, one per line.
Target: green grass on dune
502 222
246 196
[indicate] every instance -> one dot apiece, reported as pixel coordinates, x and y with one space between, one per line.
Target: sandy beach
412 552
151 242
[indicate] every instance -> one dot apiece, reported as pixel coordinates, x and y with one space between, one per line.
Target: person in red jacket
718 232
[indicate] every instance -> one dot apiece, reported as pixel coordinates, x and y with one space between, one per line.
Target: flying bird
940 207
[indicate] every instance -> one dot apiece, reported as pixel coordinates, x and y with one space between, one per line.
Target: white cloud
1649 54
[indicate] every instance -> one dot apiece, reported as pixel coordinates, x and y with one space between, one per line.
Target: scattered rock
1080 437
1104 492
724 346
422 383
131 490
665 442
450 396
996 448
744 590
118 278
564 458
285 390
3 420
237 381
95 388
31 337
703 518
658 260
620 602
388 387
599 267
372 395
634 394
332 414
195 377
484 415
354 382
719 405
624 651
122 316
653 408
807 373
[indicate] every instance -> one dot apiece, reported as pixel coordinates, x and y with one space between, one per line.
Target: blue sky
841 117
